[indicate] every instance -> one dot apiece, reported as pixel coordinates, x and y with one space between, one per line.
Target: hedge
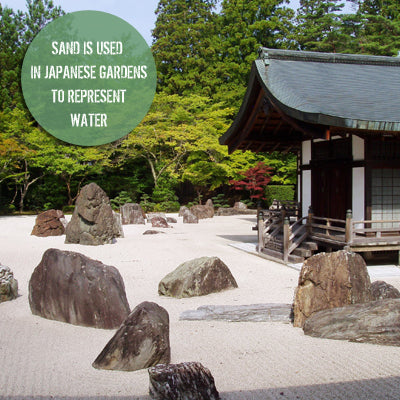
279 192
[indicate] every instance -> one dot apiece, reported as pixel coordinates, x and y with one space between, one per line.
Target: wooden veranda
284 236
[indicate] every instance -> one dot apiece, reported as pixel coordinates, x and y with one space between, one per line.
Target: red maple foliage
254 180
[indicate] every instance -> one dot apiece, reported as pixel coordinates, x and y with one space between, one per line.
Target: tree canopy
203 51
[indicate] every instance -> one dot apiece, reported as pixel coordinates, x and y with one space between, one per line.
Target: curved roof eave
320 118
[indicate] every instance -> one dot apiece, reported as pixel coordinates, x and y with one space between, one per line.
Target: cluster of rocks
8 284
239 208
70 287
335 299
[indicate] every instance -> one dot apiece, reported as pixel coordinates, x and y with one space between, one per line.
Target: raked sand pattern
43 359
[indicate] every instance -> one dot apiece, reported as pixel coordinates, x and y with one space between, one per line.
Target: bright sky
139 13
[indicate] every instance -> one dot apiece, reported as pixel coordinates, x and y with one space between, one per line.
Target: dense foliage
203 51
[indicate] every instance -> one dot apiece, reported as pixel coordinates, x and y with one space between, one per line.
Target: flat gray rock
376 322
241 313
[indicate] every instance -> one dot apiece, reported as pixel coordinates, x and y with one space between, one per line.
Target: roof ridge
267 54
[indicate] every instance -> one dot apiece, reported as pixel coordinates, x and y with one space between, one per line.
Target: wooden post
286 239
309 220
260 230
349 227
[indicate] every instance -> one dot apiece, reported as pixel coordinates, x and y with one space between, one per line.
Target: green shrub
146 204
120 200
220 201
279 192
167 206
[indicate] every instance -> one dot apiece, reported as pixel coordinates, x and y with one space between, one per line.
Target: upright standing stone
182 210
49 223
185 381
8 284
189 218
197 277
70 287
329 280
141 341
93 221
132 213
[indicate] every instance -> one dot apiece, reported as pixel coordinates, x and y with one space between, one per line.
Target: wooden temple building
340 114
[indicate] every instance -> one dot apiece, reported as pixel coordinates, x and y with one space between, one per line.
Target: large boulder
8 284
329 280
197 277
185 381
132 213
240 206
141 341
373 322
70 287
49 223
202 211
382 290
93 221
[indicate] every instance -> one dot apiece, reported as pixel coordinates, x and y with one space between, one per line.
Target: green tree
378 27
319 26
183 46
243 27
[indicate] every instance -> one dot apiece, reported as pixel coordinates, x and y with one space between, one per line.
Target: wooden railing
334 232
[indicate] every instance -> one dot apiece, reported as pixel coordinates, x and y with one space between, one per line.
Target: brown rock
159 222
210 204
141 341
49 223
375 322
185 381
189 218
382 290
93 221
329 280
172 220
202 211
73 288
132 213
8 284
197 277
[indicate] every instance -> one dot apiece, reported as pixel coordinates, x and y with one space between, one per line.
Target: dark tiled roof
352 91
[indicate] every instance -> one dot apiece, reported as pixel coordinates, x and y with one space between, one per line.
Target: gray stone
240 206
185 381
151 232
141 341
210 204
8 284
189 218
329 280
172 220
132 213
375 322
182 210
49 223
227 211
70 287
159 222
150 216
382 290
241 313
197 277
93 221
202 211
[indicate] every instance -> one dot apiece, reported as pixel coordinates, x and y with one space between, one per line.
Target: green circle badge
88 78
